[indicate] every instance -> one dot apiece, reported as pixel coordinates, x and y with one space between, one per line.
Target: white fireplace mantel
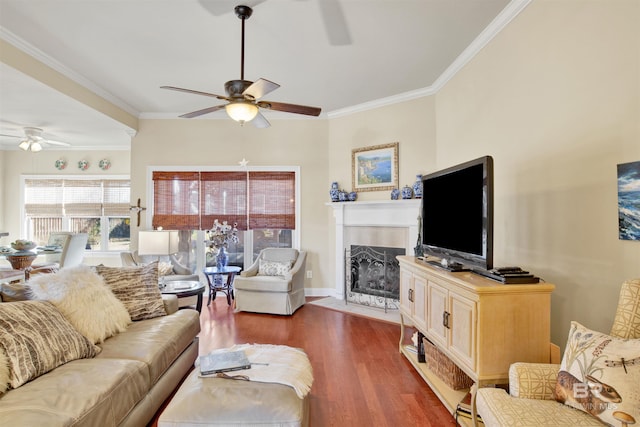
380 213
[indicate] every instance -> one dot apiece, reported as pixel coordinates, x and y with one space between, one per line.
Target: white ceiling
333 54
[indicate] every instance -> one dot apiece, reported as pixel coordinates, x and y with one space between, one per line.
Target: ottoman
277 395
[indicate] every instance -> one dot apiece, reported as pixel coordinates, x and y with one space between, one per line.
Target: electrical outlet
309 274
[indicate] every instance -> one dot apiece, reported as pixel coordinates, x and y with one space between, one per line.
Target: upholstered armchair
532 386
172 271
274 283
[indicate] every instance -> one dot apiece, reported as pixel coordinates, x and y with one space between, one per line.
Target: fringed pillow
36 338
137 288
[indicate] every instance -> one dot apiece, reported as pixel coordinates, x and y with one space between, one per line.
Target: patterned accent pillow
83 298
599 374
274 268
137 288
36 338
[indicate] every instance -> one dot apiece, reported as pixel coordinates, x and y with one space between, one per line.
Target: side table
185 288
226 287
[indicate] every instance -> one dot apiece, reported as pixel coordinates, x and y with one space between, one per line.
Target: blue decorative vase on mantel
222 259
334 192
417 187
406 192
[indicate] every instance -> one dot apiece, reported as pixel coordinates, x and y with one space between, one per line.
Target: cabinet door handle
445 319
411 295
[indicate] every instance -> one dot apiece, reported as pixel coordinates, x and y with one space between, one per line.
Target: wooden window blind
51 197
176 200
255 200
223 196
272 200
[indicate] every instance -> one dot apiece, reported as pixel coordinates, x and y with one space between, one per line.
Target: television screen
457 214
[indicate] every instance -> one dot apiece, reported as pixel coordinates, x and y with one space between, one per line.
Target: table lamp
157 242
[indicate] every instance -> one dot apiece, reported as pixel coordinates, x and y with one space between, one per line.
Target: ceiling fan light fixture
25 144
36 146
241 111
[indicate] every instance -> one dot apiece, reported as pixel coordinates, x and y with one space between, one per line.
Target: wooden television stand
481 325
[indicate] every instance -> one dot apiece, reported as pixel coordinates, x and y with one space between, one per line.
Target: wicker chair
531 399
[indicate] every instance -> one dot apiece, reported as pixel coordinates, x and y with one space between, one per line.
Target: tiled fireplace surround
386 223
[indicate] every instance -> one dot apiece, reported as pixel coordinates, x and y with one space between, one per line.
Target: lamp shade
241 111
157 242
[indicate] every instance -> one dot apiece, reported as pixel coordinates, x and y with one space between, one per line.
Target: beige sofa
124 385
531 400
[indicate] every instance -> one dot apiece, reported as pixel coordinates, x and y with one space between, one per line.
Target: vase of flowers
219 237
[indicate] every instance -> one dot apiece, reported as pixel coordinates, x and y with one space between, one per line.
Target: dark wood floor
360 378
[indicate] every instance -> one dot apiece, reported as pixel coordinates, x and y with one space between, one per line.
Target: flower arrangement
221 234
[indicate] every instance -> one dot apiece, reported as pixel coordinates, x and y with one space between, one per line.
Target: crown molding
56 65
512 10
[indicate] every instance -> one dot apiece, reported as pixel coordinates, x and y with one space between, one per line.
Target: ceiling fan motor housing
235 88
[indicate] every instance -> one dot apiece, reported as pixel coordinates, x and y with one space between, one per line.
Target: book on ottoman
214 363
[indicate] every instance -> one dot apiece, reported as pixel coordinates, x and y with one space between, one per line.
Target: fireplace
372 276
388 227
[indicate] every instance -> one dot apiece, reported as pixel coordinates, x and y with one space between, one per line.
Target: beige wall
223 142
555 99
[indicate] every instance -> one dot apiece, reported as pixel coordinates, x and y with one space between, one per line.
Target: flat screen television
457 216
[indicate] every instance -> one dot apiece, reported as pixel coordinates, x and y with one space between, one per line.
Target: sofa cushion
87 392
36 338
156 342
594 378
137 287
84 299
274 268
265 284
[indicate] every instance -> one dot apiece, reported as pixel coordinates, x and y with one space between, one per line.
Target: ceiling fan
33 140
244 96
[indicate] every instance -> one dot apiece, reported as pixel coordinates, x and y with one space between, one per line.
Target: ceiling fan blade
260 121
335 23
196 92
202 112
260 88
10 136
290 108
63 144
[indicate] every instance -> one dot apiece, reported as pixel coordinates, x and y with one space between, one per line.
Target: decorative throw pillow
14 292
599 374
137 288
84 299
36 338
274 268
165 268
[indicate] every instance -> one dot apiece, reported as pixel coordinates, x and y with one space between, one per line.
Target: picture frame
375 168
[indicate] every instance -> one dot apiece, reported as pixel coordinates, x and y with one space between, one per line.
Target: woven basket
444 368
20 262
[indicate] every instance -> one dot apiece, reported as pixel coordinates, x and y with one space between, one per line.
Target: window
98 207
262 203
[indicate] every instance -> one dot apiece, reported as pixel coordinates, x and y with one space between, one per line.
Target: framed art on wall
375 168
629 201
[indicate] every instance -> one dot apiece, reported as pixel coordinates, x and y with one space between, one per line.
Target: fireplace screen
373 276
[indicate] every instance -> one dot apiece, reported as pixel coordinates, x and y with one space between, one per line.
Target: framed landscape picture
375 168
629 201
